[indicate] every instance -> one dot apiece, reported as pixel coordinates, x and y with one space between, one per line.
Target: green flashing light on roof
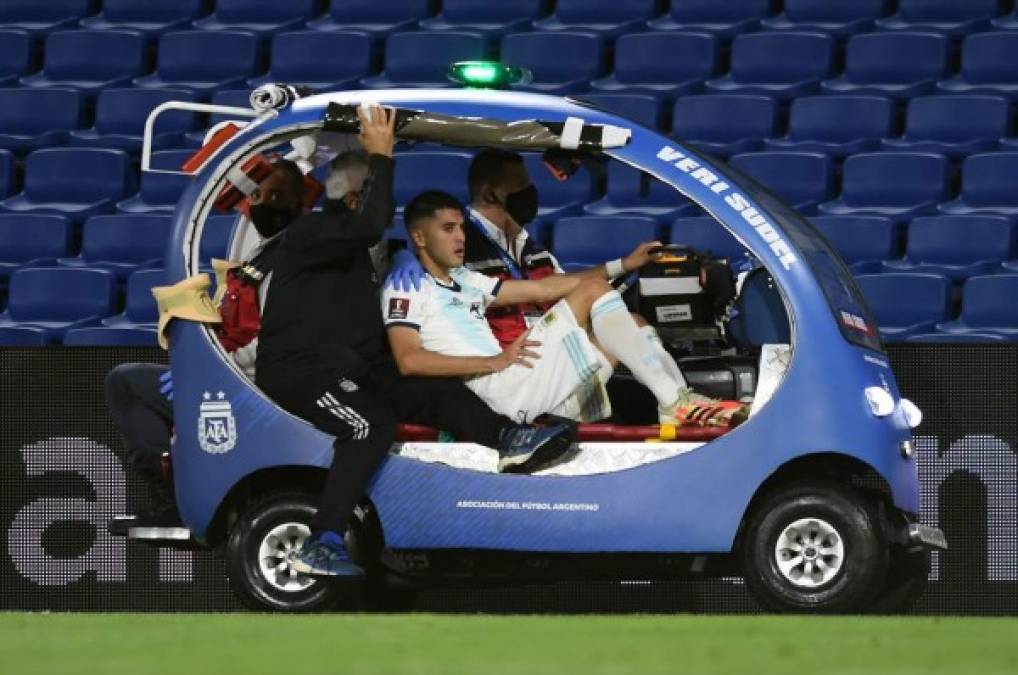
487 74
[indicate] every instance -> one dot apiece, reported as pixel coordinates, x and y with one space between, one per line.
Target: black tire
907 577
827 512
273 519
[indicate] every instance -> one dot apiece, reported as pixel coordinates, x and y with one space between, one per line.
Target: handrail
146 147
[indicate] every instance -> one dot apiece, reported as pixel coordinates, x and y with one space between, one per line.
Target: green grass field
193 644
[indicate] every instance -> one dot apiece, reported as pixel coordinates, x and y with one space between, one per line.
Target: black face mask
270 220
522 205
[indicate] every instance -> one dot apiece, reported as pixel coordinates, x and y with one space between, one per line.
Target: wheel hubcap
809 552
276 554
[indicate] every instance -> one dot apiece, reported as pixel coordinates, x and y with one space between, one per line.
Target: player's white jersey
449 317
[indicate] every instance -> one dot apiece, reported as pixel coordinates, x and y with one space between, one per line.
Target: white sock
666 359
618 333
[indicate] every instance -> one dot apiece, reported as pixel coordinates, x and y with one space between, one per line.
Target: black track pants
143 416
363 422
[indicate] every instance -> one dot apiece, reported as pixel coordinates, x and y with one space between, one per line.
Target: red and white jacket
489 252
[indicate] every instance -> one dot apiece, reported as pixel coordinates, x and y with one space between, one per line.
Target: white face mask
338 183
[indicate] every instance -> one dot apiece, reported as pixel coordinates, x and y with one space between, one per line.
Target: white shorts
569 366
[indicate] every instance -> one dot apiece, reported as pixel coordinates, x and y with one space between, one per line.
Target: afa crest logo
217 428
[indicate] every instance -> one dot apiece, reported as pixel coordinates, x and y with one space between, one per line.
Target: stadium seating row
917 307
956 247
49 305
781 64
120 244
605 16
722 125
76 306
82 182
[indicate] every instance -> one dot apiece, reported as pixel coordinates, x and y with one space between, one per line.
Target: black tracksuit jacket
322 310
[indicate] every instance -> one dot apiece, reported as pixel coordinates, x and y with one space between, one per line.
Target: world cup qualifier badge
399 308
217 428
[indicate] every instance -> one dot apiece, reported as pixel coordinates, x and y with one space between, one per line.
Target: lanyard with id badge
530 318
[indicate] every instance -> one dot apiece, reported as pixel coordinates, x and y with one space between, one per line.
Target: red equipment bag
239 309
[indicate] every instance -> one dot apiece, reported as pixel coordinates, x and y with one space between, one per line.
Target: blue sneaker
525 448
325 555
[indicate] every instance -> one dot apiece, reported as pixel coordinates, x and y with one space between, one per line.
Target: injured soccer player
441 331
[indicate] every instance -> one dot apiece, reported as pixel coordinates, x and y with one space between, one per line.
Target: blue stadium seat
1006 22
15 55
605 17
159 192
8 173
957 247
145 16
779 64
899 185
215 239
986 66
490 19
631 192
140 309
430 170
114 57
840 18
987 306
662 64
863 242
836 125
579 243
42 16
949 17
423 59
262 17
76 182
800 179
906 304
55 299
120 116
895 64
31 119
989 185
724 19
397 229
640 108
562 62
558 198
21 336
378 19
955 338
703 233
203 61
101 336
122 243
725 124
29 237
953 125
297 58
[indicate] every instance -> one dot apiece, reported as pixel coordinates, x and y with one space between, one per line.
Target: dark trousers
363 420
447 404
143 416
145 419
